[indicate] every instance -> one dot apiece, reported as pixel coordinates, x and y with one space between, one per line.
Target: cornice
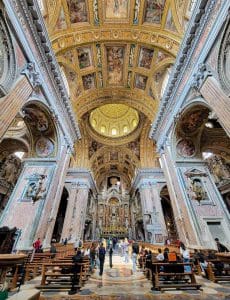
189 44
30 15
125 33
145 178
81 177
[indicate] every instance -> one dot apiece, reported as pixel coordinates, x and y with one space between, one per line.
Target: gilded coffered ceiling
115 52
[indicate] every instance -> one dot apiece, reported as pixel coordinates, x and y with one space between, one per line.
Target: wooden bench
163 276
54 278
216 274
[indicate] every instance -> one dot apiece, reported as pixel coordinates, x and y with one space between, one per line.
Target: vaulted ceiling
115 52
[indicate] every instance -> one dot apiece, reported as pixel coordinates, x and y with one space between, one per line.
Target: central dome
114 120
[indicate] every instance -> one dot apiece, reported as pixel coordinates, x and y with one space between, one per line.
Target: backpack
101 251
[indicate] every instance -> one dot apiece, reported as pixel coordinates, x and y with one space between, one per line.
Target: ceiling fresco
117 53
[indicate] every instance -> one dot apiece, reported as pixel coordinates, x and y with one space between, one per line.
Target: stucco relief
224 58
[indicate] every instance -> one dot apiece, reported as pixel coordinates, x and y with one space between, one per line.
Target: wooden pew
218 274
53 276
164 278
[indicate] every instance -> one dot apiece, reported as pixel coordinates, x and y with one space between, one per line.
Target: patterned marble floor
120 283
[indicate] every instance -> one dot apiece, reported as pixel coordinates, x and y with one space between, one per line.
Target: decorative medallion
44 147
186 148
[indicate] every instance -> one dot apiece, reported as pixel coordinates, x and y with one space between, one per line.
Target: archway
60 216
168 214
202 155
14 147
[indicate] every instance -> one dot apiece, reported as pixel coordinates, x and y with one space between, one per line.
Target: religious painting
112 180
161 56
115 63
193 120
153 11
145 58
69 56
89 81
36 118
116 10
186 147
170 25
61 22
44 147
71 75
140 81
84 57
77 11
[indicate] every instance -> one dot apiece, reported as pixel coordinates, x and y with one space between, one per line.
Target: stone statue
196 190
10 169
218 168
36 189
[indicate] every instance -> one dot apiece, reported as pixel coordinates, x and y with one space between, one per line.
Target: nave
121 283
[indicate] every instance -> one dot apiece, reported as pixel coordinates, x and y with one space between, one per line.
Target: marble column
154 223
11 104
218 101
197 203
48 218
183 219
78 182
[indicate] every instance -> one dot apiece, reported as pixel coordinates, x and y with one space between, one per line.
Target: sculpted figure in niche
196 190
10 168
36 189
148 219
218 168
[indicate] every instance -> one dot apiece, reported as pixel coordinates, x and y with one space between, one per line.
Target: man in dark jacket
110 256
77 259
135 247
101 255
221 247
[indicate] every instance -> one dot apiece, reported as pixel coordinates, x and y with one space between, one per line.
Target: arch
168 214
42 128
135 99
58 227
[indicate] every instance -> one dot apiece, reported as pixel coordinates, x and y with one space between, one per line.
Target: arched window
114 131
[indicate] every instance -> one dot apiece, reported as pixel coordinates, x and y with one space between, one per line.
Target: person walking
134 260
126 251
92 256
101 254
77 258
110 256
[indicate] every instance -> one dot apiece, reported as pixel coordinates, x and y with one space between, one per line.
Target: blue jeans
187 268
